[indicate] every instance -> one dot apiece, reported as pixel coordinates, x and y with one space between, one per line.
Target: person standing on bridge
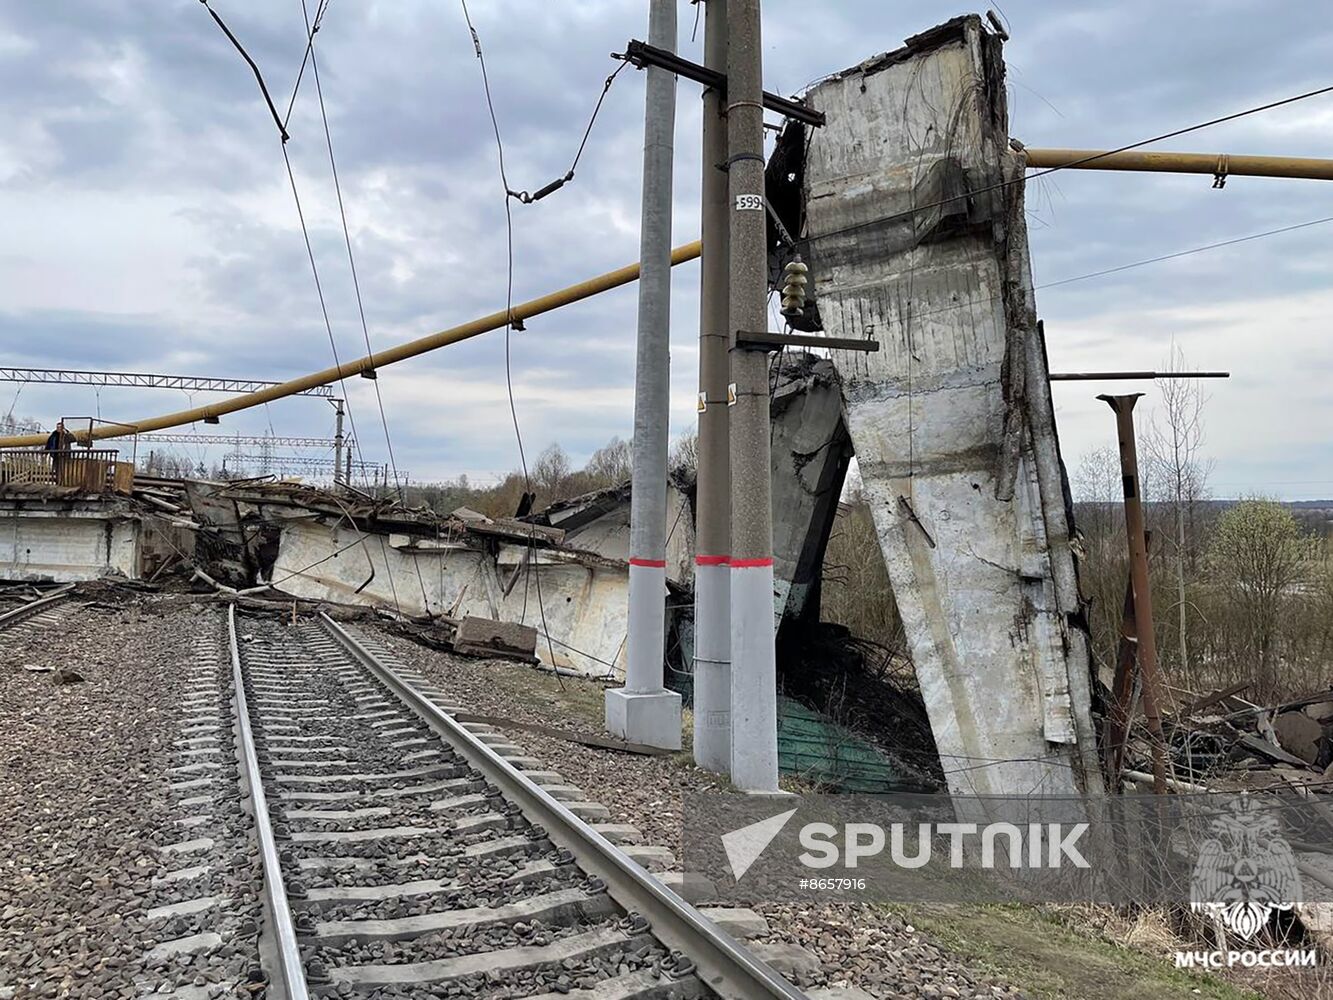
58 446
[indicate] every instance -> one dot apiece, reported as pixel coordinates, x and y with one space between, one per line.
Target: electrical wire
254 68
1186 253
356 283
559 182
347 237
323 305
305 232
309 48
1175 255
509 327
998 185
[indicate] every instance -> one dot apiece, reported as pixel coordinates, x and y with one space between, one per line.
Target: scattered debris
487 637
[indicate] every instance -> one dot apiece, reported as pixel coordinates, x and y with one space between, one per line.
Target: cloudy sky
146 223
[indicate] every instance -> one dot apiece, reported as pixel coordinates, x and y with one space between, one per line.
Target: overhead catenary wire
323 305
291 177
310 252
912 212
559 182
509 329
311 28
351 262
254 68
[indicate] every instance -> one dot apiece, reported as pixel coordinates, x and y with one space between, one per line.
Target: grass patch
1036 953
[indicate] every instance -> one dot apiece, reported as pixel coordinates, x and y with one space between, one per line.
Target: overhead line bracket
642 55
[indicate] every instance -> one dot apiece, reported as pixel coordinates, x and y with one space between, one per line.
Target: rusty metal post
1138 575
1120 717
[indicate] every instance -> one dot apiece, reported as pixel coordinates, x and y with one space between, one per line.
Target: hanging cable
559 182
282 128
509 328
305 233
356 283
320 11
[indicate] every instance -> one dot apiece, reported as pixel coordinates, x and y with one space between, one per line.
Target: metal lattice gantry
240 439
373 471
143 380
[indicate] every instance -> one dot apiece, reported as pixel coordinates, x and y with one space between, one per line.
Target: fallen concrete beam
913 206
811 451
487 637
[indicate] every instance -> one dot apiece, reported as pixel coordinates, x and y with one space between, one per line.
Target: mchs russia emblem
1245 870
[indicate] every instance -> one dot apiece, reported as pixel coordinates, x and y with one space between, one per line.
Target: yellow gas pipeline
496 320
1217 164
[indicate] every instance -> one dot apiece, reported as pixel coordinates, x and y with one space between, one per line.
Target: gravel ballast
862 946
87 809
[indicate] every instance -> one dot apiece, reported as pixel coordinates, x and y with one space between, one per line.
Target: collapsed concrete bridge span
912 211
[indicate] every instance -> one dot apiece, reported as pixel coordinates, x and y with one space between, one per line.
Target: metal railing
88 470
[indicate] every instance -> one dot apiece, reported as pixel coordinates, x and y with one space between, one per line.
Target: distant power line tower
143 380
322 468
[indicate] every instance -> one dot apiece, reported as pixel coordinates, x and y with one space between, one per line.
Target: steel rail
290 966
722 964
16 615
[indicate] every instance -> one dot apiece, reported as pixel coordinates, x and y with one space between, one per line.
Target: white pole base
651 718
754 696
712 668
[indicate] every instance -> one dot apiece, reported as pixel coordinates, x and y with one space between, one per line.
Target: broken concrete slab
811 452
1301 735
487 637
914 211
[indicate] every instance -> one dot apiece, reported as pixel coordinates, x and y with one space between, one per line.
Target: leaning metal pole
754 740
712 576
643 711
1138 575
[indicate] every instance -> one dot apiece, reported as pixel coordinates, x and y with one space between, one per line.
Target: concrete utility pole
337 441
754 714
643 711
712 575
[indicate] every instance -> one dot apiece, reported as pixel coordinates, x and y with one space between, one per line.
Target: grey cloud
185 123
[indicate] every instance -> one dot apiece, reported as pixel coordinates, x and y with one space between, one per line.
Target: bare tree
610 465
1173 442
551 471
685 453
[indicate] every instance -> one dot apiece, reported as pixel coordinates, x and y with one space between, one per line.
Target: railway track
38 613
404 855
